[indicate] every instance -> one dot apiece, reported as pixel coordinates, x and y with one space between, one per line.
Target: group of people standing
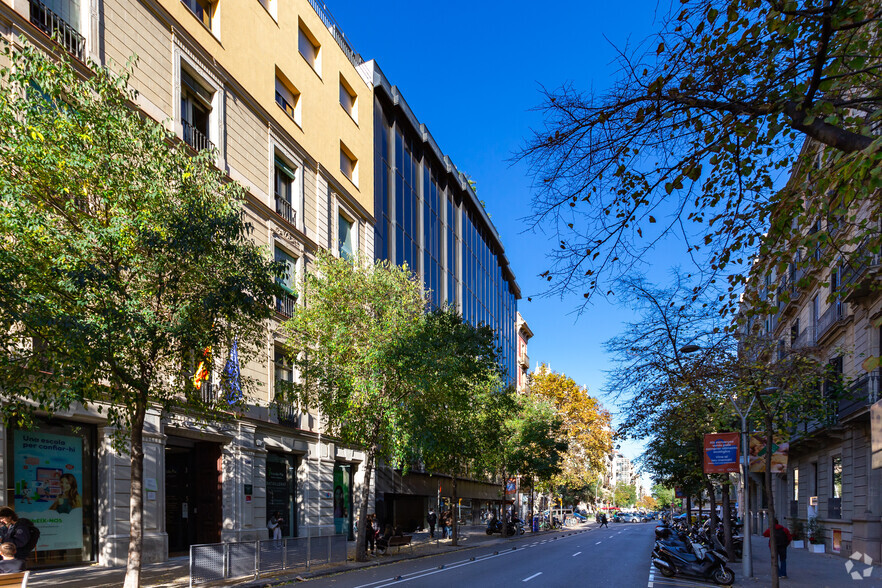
444 523
18 537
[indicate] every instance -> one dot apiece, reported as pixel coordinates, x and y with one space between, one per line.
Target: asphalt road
617 557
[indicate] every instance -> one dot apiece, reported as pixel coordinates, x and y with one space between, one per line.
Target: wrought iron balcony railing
285 210
286 305
195 138
864 392
53 25
831 317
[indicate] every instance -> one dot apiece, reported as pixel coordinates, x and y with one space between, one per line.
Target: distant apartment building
276 89
830 313
524 335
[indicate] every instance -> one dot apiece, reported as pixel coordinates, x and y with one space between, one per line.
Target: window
203 10
348 164
837 476
345 237
195 112
288 99
286 303
284 373
271 7
310 48
816 312
348 99
285 186
795 484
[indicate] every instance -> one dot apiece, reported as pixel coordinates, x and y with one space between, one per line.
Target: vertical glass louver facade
427 220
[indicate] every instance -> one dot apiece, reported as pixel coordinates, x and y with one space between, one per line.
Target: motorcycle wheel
667 573
723 576
489 531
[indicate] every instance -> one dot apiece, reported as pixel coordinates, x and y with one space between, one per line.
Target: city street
617 556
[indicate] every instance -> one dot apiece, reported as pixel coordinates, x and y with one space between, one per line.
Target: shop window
52 483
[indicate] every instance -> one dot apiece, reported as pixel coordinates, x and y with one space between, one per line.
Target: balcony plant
797 529
816 532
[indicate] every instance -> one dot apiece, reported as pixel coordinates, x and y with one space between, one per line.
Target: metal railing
865 391
286 304
216 562
195 138
806 338
835 313
52 24
328 20
287 414
285 210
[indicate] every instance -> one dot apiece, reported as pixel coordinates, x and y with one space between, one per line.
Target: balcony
524 360
285 210
286 304
195 138
864 392
861 276
53 25
287 414
806 338
834 316
328 20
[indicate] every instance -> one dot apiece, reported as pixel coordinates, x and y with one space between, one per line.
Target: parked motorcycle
703 563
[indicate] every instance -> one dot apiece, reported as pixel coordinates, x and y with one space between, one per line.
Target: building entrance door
192 494
281 491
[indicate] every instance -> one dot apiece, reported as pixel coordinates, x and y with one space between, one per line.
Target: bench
398 541
15 580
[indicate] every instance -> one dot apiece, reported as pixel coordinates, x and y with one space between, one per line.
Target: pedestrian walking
370 532
782 540
603 521
432 520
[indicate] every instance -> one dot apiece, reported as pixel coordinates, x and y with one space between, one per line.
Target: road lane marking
577 553
598 543
537 574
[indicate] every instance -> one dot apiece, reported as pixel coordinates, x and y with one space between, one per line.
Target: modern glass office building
429 218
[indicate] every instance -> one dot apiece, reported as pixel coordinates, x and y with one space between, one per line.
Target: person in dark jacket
16 532
432 519
781 533
9 564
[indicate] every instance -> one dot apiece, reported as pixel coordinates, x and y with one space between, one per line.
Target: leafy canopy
696 133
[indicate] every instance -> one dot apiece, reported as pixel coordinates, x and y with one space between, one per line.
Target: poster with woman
48 471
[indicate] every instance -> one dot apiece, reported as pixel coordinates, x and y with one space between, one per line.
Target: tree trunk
361 529
454 502
700 504
709 486
136 497
727 521
769 499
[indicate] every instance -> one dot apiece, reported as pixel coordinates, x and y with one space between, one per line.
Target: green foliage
536 440
816 531
123 253
693 137
624 495
663 495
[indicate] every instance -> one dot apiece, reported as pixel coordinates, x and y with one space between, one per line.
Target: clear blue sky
471 72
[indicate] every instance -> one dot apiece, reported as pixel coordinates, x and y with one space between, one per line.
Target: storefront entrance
343 522
281 488
192 494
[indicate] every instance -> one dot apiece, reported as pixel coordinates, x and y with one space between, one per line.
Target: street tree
663 495
624 494
458 395
586 426
124 254
692 139
349 343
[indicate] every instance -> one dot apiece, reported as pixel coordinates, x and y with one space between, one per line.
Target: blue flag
232 376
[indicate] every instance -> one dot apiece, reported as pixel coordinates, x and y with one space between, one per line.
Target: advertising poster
757 453
721 453
48 473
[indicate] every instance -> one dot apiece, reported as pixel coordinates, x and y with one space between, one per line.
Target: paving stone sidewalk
175 572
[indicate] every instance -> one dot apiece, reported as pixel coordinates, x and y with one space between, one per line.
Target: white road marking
598 543
577 553
531 577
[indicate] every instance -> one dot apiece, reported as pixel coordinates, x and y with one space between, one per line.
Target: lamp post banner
721 451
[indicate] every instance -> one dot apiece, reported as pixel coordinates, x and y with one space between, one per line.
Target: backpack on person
781 539
33 536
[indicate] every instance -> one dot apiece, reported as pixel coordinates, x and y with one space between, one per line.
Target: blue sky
472 72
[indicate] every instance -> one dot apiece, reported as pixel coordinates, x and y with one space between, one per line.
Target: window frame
350 170
305 39
351 99
288 93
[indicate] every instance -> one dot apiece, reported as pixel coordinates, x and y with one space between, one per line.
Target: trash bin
536 523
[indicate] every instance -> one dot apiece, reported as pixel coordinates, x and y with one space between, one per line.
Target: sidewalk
815 570
175 573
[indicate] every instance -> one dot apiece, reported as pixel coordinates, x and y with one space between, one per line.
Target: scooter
704 563
494 526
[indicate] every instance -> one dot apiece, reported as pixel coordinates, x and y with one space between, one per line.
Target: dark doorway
281 490
192 494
